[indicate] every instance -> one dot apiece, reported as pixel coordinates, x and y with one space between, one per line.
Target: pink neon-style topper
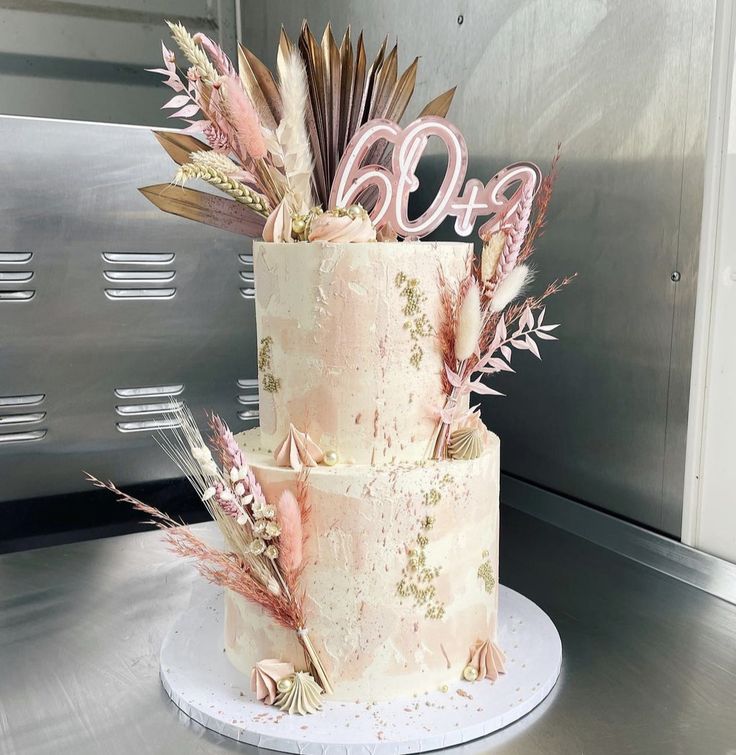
394 185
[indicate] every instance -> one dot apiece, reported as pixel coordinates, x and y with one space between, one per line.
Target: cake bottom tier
400 576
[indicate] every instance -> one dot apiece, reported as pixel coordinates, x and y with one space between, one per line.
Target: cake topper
498 199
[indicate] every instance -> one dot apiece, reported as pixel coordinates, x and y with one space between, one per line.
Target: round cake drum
201 681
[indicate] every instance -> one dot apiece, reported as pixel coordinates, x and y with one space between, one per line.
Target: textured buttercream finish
375 644
345 362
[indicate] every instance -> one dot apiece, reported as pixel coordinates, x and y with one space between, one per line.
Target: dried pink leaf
176 101
186 112
531 343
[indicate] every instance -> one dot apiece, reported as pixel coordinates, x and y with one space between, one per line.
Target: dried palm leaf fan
343 95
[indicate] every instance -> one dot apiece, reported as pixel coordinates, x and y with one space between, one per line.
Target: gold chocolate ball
355 211
330 458
316 211
285 684
470 673
298 225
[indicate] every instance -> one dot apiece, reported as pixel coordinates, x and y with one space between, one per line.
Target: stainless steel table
649 662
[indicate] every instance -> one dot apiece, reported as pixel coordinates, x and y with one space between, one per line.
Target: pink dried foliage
216 54
290 539
302 499
215 136
496 345
225 501
541 206
223 440
191 98
224 569
242 120
515 234
450 298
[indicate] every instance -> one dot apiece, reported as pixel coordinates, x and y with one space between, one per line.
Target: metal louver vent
247 277
14 283
149 407
17 423
133 279
248 399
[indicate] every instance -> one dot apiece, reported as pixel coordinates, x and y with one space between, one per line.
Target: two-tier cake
360 520
401 559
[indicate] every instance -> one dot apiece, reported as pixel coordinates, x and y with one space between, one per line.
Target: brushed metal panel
709 573
624 87
86 60
72 211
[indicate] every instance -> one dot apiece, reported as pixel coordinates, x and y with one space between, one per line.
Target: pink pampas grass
290 541
216 54
242 120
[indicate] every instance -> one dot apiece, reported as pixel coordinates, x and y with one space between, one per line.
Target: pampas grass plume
469 323
509 288
290 540
292 134
242 118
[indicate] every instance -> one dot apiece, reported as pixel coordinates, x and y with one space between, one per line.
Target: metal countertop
649 662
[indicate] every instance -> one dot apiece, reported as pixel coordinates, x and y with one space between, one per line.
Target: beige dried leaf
490 255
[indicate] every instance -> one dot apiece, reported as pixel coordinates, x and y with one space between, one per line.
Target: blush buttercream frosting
353 354
364 606
342 227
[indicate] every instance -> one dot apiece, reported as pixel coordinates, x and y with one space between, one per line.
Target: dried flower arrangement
264 561
475 335
274 142
283 146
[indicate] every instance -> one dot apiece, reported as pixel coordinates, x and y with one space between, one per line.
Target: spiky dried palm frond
344 93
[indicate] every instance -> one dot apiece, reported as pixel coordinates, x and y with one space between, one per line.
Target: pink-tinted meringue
298 450
278 224
487 659
266 675
342 226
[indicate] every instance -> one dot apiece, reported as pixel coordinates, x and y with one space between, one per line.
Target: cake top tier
347 344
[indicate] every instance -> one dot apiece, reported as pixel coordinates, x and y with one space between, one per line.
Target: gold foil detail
485 572
270 383
416 323
417 581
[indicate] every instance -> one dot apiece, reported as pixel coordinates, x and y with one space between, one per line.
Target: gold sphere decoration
298 225
470 673
285 684
330 458
355 211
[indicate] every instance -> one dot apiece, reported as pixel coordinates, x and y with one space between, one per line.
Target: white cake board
203 683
